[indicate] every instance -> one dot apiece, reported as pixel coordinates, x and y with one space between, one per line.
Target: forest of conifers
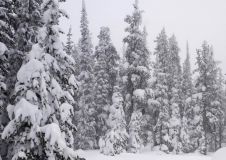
58 97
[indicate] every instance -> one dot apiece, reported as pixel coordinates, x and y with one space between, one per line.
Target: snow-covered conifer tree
187 129
115 140
19 20
161 74
206 86
105 72
220 101
137 75
41 114
174 95
86 138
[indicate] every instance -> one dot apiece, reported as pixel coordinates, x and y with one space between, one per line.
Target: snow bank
3 48
220 154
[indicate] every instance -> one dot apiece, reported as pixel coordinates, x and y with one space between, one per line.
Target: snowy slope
95 155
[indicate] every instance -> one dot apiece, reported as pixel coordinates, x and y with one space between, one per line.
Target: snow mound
220 154
3 48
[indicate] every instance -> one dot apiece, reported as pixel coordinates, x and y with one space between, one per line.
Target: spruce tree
174 95
86 138
137 74
40 116
161 74
187 107
105 71
206 85
18 27
220 101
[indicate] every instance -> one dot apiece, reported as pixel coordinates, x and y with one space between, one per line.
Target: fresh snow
22 111
20 154
30 70
66 111
72 81
53 135
139 93
147 155
36 52
220 154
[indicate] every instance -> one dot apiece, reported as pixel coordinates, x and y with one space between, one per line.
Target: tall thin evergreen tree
161 74
86 138
137 74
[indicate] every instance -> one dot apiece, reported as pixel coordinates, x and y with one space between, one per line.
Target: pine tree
115 140
86 138
40 116
207 88
161 74
137 74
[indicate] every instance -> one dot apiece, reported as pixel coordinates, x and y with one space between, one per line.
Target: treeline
55 98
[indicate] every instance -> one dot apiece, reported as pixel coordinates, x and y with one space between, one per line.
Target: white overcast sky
190 20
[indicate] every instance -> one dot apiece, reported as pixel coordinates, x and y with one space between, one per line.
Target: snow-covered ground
156 155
